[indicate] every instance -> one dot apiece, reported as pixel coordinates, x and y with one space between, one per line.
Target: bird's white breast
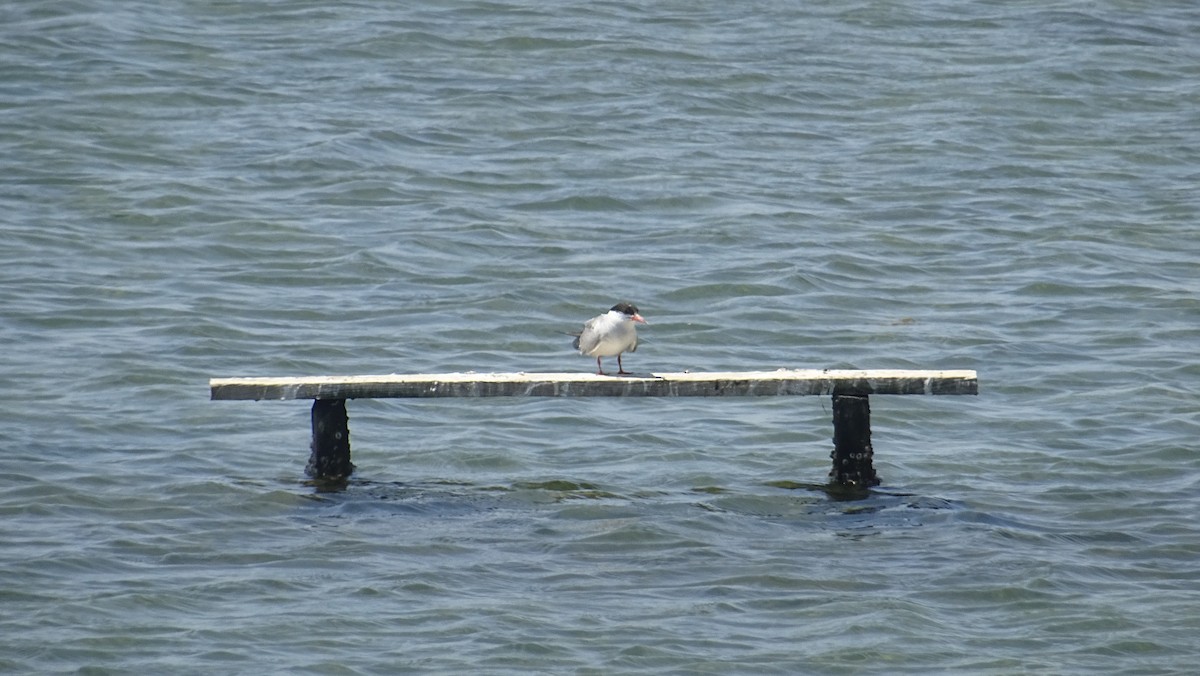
615 334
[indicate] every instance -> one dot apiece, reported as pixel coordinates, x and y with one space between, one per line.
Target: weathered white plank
728 383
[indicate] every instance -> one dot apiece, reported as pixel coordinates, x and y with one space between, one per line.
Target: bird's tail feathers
574 343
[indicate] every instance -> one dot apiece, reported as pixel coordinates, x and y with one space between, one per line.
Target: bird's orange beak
638 318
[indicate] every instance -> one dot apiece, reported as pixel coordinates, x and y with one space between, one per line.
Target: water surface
194 189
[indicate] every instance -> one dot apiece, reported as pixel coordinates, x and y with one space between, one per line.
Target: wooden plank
686 384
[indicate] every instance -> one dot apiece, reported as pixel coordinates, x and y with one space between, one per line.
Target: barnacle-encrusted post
852 453
330 459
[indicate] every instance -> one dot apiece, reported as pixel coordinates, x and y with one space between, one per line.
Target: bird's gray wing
589 338
633 345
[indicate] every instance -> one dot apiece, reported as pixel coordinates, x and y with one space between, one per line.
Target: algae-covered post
850 389
853 457
330 457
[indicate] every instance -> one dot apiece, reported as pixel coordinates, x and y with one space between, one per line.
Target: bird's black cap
624 308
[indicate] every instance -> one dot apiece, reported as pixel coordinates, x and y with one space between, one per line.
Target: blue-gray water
194 189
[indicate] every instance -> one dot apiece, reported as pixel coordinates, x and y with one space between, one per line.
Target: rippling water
197 189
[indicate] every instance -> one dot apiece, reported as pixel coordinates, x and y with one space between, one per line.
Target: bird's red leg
621 369
599 369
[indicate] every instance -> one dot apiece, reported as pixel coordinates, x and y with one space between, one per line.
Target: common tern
610 334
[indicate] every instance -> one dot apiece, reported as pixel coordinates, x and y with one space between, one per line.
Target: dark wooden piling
330 458
852 453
